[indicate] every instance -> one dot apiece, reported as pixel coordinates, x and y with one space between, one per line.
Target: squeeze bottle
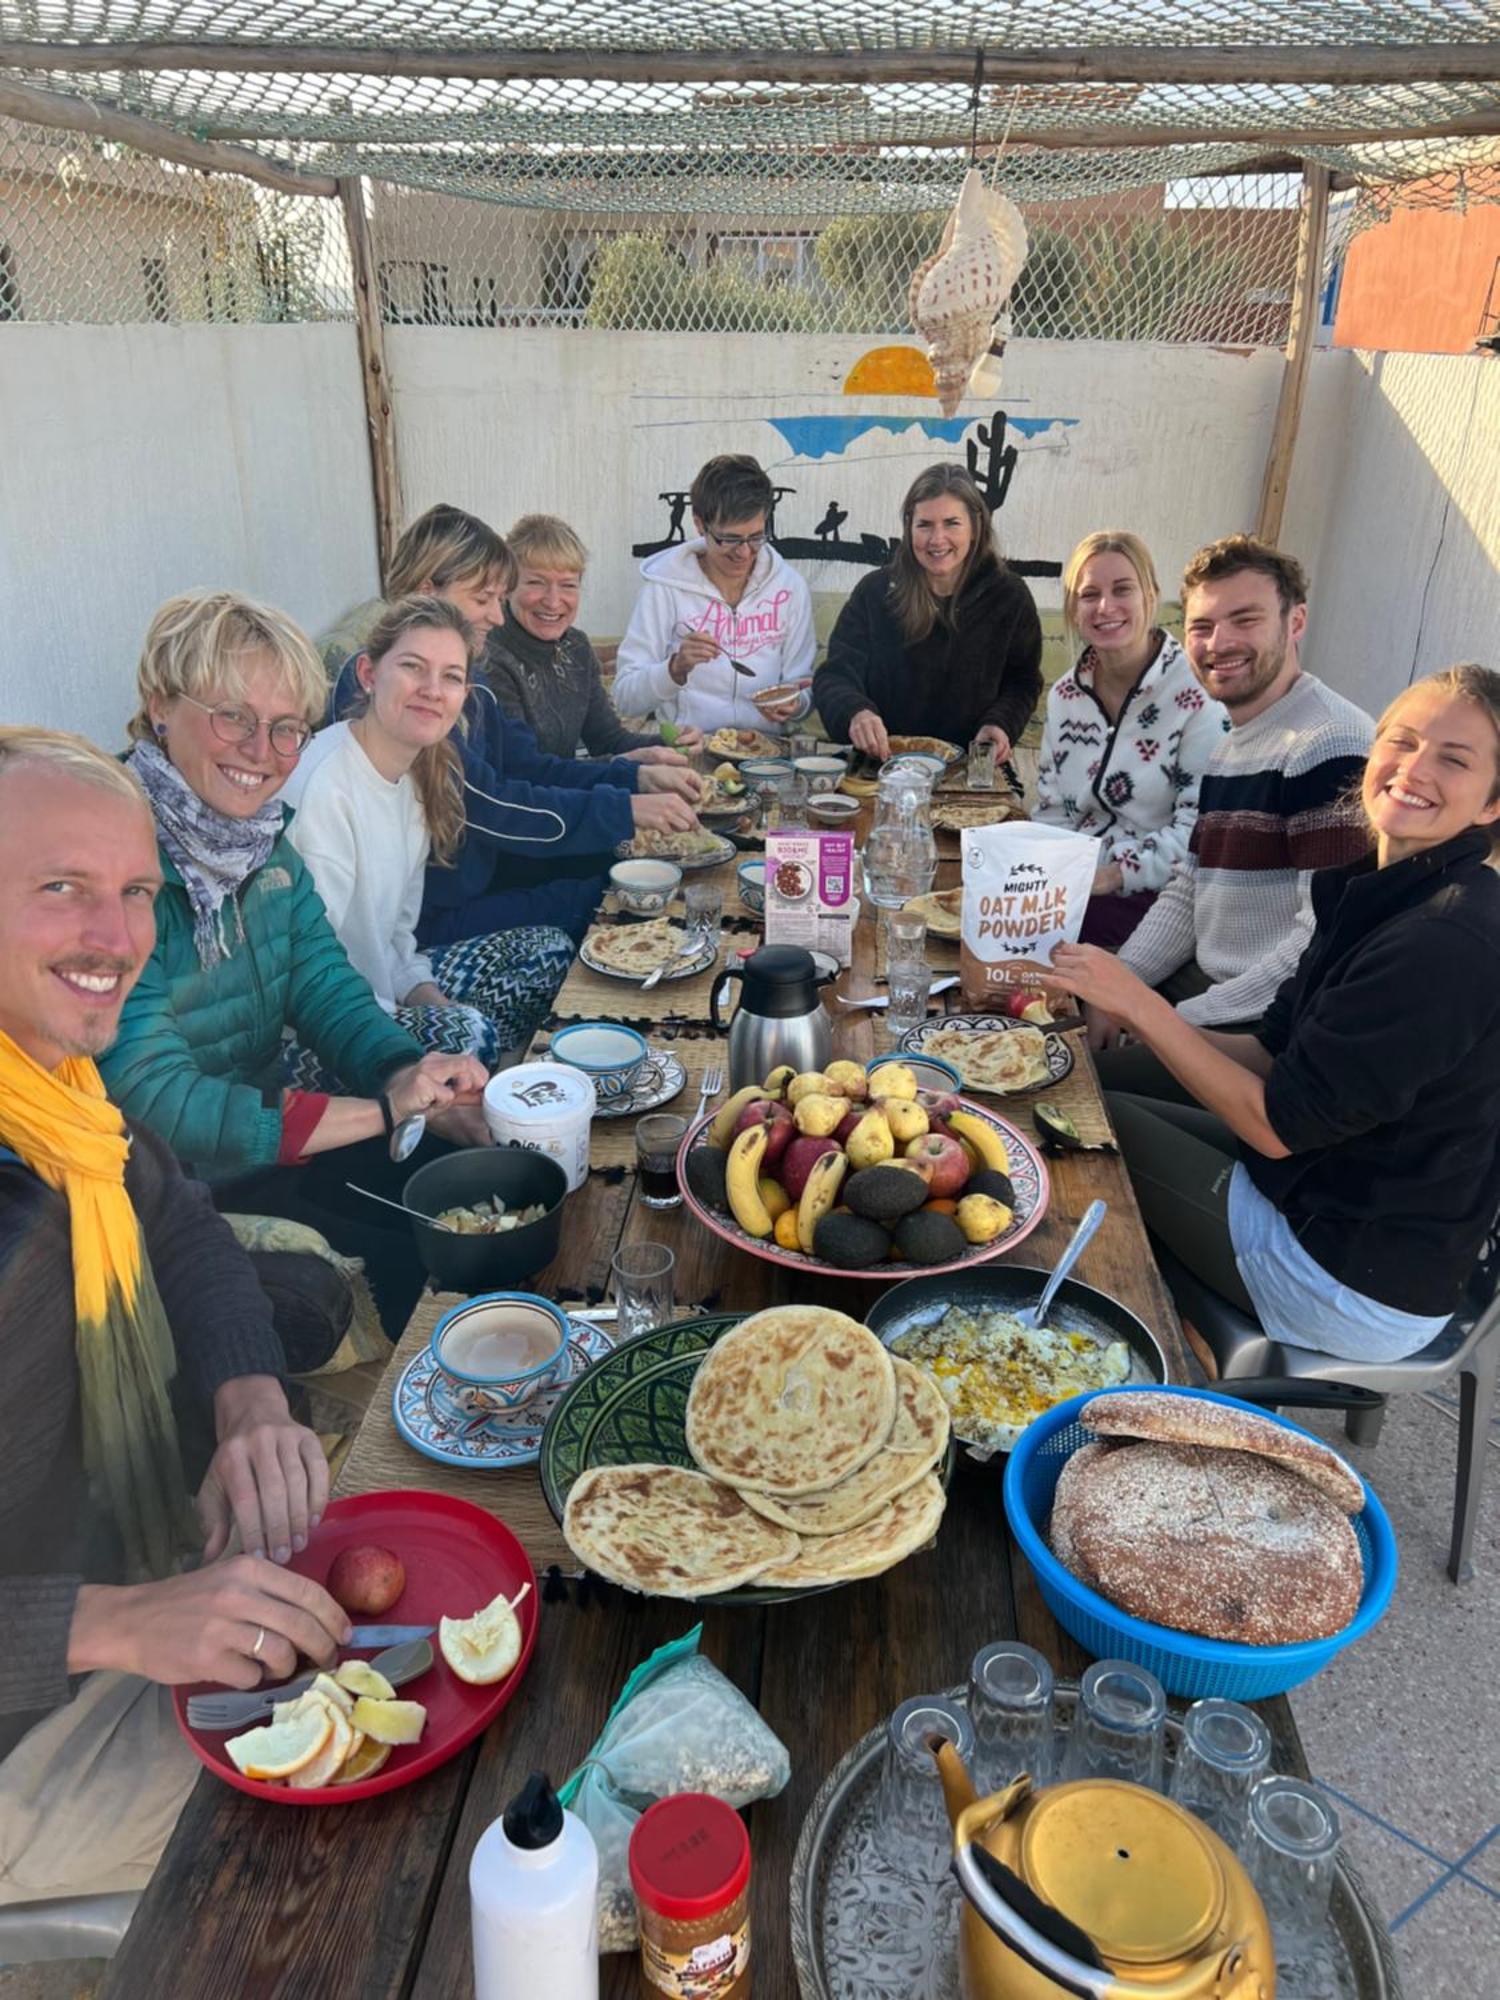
532 1886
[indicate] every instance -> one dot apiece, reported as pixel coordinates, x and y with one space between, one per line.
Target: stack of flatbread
1188 1513
654 843
941 911
816 1451
994 1059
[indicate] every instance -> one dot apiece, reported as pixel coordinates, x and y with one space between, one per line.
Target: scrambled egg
996 1375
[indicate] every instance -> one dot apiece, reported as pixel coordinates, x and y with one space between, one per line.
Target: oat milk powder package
1026 888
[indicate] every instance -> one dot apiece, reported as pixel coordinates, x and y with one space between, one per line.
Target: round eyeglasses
289 734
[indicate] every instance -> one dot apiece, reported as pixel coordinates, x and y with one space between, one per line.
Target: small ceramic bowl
466 1342
612 1055
932 1074
752 878
762 772
833 808
778 696
645 887
823 774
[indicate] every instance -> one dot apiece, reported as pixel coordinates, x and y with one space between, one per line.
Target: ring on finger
260 1640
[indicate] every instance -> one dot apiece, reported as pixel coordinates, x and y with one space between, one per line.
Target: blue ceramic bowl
465 1344
610 1055
752 880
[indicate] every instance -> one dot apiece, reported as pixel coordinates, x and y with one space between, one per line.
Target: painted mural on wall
838 478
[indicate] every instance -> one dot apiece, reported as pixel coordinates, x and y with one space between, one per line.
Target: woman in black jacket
1366 1106
944 641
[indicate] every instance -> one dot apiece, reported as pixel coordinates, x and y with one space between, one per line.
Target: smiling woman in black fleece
944 641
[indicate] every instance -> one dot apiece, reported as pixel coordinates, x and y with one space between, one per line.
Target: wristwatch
403 1135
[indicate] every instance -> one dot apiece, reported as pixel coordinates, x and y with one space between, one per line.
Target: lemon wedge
484 1648
329 1760
284 1745
359 1677
333 1690
363 1761
389 1721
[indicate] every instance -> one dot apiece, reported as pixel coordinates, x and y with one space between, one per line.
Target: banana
776 1083
742 1183
819 1195
721 1132
982 1136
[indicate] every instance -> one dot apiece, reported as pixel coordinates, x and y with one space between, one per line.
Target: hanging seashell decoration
959 296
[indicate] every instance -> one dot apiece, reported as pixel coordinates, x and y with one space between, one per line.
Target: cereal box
811 898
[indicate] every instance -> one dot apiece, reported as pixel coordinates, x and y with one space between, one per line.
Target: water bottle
532 1889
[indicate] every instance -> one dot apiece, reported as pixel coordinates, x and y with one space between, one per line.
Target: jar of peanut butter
690 1868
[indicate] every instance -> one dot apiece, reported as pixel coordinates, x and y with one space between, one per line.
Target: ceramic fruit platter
456 1558
865 1929
921 1181
433 1422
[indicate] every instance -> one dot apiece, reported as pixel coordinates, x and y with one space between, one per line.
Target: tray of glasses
863 1929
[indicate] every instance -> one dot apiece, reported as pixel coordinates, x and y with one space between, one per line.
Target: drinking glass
911 1823
1010 1700
643 1286
905 939
981 766
802 744
657 1139
791 798
908 986
703 906
1224 1750
1292 1850
1119 1726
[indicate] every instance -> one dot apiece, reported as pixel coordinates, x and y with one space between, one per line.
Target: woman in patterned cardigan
1127 735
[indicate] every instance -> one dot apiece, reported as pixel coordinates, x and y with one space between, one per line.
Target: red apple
366 1578
949 1162
779 1124
1024 1003
847 1124
797 1162
938 1103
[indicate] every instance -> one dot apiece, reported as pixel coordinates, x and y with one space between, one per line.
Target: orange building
1419 283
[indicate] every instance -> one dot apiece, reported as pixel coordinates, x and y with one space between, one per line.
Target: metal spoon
1036 1316
431 1220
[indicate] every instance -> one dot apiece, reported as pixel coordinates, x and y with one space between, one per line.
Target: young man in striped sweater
1279 799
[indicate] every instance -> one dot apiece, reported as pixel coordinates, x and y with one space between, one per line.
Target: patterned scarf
213 853
66 1130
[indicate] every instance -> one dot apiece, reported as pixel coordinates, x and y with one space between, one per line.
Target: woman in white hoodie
721 617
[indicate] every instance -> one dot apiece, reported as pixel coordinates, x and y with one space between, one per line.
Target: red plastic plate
457 1558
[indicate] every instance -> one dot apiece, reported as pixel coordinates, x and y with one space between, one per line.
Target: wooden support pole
1302 333
79 114
1465 62
384 470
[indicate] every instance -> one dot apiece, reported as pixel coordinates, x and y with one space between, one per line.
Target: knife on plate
388 1635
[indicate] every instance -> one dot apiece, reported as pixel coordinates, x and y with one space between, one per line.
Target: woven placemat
592 996
380 1459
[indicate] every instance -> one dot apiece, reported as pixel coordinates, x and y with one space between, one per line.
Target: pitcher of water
899 857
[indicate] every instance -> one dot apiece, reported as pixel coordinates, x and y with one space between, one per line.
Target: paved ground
1402 1729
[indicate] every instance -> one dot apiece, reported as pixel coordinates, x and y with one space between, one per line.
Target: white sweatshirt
366 842
770 631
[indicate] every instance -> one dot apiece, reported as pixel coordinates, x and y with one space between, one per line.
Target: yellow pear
870 1144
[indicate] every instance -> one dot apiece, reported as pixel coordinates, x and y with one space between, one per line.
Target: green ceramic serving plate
630 1408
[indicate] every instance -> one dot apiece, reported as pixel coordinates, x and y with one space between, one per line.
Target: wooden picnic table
370 1900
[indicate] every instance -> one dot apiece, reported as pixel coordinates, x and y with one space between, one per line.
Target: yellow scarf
66 1130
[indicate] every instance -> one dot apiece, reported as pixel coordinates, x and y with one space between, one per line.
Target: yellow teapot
1102 1890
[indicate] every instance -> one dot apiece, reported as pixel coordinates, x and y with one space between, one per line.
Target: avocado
989 1180
706 1178
853 1242
885 1193
929 1237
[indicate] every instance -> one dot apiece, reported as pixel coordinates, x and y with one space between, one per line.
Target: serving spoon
431 1220
1035 1317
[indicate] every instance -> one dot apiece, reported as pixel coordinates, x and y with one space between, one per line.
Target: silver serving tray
862 1934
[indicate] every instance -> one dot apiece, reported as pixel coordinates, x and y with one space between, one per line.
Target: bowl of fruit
834 1171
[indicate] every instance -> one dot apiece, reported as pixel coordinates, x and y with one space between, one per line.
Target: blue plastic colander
1182 1662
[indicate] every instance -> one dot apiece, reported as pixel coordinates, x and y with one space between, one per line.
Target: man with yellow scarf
116 1276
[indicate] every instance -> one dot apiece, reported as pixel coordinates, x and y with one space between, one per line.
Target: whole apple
366 1578
948 1160
848 1124
798 1159
779 1124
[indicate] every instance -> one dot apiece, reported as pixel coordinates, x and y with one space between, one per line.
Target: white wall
593 425
142 460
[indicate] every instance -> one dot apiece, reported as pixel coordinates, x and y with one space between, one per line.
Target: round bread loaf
1072 1485
1166 1419
900 1527
791 1401
669 1532
1222 1543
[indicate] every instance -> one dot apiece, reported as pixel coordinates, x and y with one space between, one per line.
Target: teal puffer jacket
198 1055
